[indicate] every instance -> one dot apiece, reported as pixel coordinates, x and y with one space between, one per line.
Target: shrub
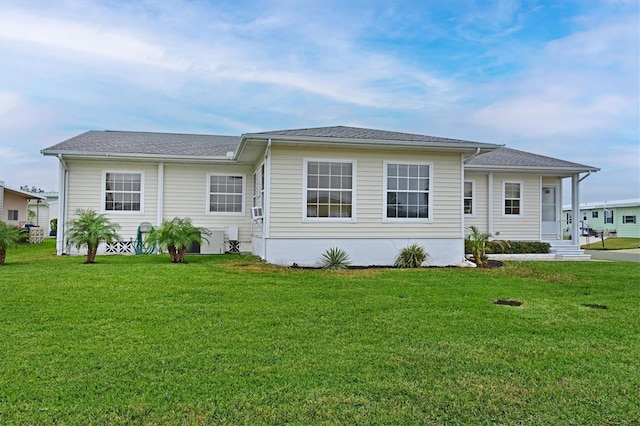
480 243
90 229
176 235
412 256
513 247
9 237
335 258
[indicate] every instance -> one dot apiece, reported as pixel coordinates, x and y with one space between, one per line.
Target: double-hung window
123 191
512 198
469 189
329 190
225 194
608 216
408 192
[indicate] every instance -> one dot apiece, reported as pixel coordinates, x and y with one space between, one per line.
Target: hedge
514 247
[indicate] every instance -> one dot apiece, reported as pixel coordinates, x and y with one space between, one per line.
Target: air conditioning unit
214 243
256 213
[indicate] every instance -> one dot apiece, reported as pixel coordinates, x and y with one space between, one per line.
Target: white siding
287 194
527 225
185 195
480 218
86 185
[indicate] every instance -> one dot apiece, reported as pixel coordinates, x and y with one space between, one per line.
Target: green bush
335 258
412 256
515 247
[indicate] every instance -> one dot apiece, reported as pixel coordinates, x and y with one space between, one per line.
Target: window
629 219
329 189
569 218
123 191
226 194
512 196
469 189
608 216
408 191
594 214
13 215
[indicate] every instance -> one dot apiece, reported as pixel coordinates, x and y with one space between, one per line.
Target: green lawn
229 340
613 244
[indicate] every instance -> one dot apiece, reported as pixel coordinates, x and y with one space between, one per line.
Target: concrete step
567 250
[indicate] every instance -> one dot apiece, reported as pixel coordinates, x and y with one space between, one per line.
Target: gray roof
165 144
512 158
356 133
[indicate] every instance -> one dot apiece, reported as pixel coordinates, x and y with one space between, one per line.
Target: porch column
575 209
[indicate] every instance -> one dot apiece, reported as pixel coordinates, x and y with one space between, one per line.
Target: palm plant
335 258
90 229
412 256
9 237
479 243
176 235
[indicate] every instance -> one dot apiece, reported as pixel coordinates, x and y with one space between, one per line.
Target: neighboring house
45 210
621 217
289 195
13 204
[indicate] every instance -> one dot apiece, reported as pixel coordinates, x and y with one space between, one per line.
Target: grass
230 340
617 243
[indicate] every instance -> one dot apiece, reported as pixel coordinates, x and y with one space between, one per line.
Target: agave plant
176 235
335 258
480 242
90 229
412 256
9 237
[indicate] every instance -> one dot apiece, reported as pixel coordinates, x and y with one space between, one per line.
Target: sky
558 78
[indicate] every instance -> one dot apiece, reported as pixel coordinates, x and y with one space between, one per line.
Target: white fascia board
532 169
125 155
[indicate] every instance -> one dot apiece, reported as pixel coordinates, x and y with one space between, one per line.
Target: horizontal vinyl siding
85 191
481 197
526 226
286 215
185 195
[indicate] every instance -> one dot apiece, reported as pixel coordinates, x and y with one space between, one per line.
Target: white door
550 222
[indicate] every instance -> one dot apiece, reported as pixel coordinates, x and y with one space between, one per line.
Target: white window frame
473 198
609 217
104 193
629 219
305 165
386 219
207 207
504 199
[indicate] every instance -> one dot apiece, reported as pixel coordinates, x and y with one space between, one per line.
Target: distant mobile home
289 195
620 218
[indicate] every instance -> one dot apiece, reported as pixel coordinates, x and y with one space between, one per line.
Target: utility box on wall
215 243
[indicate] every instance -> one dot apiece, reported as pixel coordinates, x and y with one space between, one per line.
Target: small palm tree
479 243
176 235
9 237
90 229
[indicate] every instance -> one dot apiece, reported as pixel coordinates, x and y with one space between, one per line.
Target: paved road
619 255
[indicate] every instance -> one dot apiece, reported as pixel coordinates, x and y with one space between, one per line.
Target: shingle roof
167 144
356 133
507 157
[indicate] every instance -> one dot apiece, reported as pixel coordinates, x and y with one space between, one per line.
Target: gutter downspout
266 221
61 242
160 205
490 206
466 160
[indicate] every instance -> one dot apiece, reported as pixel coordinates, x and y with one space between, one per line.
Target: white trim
305 168
558 227
473 197
490 203
521 198
104 193
160 207
386 219
208 196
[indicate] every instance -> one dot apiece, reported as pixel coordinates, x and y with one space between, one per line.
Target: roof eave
165 157
381 143
533 168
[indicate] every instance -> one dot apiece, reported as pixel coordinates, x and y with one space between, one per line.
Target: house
43 211
289 195
618 218
14 205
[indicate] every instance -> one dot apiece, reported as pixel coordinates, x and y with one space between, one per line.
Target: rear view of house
289 195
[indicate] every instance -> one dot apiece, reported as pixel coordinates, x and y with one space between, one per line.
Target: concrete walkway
632 255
